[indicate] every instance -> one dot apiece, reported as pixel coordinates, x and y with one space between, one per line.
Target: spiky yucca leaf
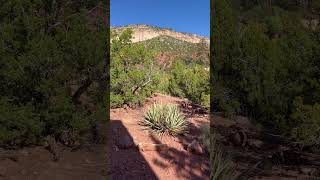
165 119
205 135
221 166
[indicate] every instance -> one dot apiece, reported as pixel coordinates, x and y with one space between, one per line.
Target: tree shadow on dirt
126 162
186 165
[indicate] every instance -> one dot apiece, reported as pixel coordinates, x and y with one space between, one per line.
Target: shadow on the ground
126 163
87 161
187 165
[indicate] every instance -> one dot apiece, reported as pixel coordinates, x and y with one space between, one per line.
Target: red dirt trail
174 164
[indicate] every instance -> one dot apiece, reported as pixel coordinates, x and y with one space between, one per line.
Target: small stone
306 170
67 138
35 172
195 147
116 148
254 143
53 147
238 138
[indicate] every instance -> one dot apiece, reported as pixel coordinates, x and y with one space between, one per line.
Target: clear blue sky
192 16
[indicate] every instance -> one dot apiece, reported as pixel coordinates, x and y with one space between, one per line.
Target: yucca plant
165 118
205 135
221 166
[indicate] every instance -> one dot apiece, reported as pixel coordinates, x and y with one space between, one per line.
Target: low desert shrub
165 118
306 120
190 81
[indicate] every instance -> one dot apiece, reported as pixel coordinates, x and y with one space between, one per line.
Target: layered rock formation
146 32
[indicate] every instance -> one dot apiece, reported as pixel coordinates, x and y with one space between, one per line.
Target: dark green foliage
187 51
191 82
45 48
19 124
265 59
132 73
307 118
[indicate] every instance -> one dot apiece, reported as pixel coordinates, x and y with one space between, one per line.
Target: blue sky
192 16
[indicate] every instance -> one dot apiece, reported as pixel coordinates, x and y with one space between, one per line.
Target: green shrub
62 115
165 119
307 123
228 107
190 81
205 100
223 101
19 125
271 63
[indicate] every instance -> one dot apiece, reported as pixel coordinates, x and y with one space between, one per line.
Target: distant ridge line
143 32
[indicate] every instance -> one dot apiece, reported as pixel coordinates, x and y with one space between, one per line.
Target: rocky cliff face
145 32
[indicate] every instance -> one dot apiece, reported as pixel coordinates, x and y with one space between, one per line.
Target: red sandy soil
35 163
85 162
175 163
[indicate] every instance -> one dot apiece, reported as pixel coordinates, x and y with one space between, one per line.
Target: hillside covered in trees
162 64
265 65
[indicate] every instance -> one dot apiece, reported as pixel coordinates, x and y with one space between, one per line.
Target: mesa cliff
146 32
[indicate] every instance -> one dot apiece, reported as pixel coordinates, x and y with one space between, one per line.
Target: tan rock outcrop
145 32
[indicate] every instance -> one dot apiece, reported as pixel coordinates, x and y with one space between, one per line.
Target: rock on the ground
255 143
67 138
52 147
125 142
238 138
125 106
307 170
195 147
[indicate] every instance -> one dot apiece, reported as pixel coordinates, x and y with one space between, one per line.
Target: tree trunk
81 90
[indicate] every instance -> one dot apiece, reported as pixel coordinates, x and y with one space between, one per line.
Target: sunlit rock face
146 32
